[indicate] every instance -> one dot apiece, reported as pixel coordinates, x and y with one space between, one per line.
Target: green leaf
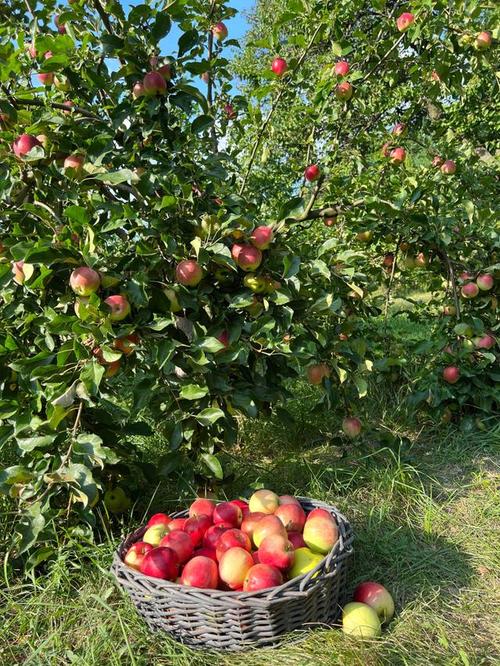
115 177
361 385
30 443
186 41
213 464
30 526
209 416
193 392
201 124
14 475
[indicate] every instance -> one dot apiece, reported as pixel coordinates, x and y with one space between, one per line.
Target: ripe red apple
451 374
404 21
138 90
342 68
483 40
485 281
196 528
230 112
201 572
154 84
226 512
249 258
486 341
316 373
329 221
74 162
262 237
233 538
177 523
127 344
277 551
297 540
344 91
262 577
46 78
206 552
292 516
202 507
212 535
448 168
160 562
265 527
255 557
377 597
351 426
159 519
470 290
234 565
23 144
288 499
180 542
437 161
399 129
189 273
250 521
235 251
219 31
397 156
388 259
120 307
245 509
279 66
84 281
312 172
223 338
320 531
135 554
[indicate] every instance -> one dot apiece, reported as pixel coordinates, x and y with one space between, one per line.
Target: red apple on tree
316 373
138 90
160 562
46 78
135 554
166 71
312 172
61 28
437 161
127 344
74 162
249 258
397 156
484 342
485 281
201 572
84 281
470 290
262 237
261 577
342 68
154 84
451 374
219 31
404 21
483 40
189 273
448 167
24 144
279 66
344 91
230 111
120 307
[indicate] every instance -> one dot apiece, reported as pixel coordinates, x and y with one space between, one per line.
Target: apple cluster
235 545
372 606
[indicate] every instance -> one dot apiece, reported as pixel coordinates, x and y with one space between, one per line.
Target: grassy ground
426 516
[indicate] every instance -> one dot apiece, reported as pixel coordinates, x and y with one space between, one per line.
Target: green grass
426 514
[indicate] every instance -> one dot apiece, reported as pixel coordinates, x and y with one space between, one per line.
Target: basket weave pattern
241 620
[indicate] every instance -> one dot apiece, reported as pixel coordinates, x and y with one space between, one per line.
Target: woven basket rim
341 546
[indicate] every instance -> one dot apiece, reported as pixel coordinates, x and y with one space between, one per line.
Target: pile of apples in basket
250 546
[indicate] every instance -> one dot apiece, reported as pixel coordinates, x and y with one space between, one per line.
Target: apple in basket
135 554
201 572
261 577
233 567
160 562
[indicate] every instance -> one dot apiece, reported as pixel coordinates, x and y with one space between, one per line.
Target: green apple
360 620
305 560
175 306
256 283
116 500
155 534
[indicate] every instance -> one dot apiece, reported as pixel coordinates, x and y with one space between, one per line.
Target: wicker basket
242 620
